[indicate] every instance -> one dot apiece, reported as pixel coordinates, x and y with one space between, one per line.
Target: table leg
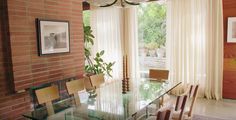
147 114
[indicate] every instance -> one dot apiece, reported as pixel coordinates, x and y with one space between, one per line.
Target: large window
152 36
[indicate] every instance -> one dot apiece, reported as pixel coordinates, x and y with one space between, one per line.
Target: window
152 36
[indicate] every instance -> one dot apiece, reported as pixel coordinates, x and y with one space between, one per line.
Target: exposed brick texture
28 68
20 65
11 105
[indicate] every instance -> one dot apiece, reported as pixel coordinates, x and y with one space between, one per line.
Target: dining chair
87 83
97 80
160 75
178 113
46 95
192 95
73 87
164 113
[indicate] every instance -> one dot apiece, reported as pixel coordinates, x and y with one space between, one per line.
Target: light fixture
107 3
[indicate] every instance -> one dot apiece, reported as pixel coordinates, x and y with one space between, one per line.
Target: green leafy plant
97 65
152 25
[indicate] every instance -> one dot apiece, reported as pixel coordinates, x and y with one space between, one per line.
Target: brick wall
30 69
11 105
20 65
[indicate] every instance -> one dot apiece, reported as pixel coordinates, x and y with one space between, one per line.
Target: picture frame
231 32
53 36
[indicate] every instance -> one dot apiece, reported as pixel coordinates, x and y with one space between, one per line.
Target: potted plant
95 65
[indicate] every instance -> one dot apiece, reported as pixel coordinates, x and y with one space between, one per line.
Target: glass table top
109 103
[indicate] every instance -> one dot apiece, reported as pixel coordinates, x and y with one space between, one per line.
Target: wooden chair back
158 74
164 115
87 83
180 105
46 95
73 87
193 91
97 80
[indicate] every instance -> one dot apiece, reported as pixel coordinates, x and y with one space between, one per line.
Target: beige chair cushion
176 114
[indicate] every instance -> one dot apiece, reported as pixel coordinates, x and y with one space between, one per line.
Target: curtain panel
115 31
195 45
131 40
106 25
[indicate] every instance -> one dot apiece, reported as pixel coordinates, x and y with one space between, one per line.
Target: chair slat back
97 80
87 83
193 91
193 94
180 105
158 74
74 86
47 94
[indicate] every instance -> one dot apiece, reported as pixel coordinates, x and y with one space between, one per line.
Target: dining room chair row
180 111
167 112
48 94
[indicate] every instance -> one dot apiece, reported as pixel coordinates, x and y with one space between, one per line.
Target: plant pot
88 85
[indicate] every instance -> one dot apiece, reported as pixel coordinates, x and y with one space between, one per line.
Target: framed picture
231 34
53 36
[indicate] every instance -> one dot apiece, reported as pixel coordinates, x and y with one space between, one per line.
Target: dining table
110 101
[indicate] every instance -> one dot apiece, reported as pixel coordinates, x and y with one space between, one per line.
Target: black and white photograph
53 36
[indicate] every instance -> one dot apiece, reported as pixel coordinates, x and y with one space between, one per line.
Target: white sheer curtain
115 31
106 25
195 44
131 40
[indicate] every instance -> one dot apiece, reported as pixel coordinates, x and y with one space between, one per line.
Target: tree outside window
152 36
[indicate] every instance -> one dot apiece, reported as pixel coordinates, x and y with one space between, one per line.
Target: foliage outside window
152 25
152 35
